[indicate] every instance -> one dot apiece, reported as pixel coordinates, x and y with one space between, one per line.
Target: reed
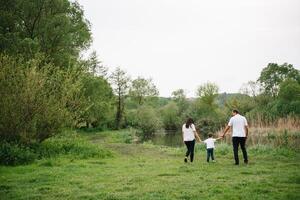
283 132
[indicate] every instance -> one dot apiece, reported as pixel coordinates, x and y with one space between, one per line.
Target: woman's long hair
189 122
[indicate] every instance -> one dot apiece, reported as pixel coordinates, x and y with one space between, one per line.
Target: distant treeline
45 85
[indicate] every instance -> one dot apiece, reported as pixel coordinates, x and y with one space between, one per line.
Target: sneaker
246 162
213 161
185 160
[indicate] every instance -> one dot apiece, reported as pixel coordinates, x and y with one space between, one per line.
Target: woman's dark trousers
190 145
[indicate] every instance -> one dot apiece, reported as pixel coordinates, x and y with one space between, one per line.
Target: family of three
237 123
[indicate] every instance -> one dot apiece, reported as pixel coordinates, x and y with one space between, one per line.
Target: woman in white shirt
189 134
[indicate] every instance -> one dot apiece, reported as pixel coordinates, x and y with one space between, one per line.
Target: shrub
147 121
170 116
97 102
131 118
14 154
33 100
209 124
67 144
71 144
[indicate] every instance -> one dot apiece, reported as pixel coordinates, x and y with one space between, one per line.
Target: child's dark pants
210 153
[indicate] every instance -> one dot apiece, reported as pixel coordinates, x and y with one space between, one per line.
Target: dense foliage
55 28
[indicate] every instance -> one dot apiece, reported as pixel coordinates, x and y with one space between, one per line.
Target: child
210 145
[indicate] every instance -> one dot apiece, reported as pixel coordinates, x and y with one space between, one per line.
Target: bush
147 121
67 144
209 124
97 102
170 116
131 118
71 144
33 100
14 154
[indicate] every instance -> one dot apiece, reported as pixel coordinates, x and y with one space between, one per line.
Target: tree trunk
119 111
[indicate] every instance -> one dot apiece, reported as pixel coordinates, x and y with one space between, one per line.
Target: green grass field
146 171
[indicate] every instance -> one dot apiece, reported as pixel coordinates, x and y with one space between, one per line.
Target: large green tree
55 28
98 101
34 103
207 93
170 116
289 98
274 74
207 114
142 88
94 65
120 81
179 97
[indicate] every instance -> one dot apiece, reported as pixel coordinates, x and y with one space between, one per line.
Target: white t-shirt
210 143
188 133
238 123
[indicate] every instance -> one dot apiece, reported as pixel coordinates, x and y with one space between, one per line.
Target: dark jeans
210 153
236 141
190 145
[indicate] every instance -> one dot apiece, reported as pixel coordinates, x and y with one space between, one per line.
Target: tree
288 98
289 90
170 116
142 88
241 102
120 81
274 74
180 98
98 100
94 66
205 110
251 88
55 28
208 93
33 103
178 95
147 121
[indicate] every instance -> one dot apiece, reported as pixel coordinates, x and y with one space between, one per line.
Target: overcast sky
184 43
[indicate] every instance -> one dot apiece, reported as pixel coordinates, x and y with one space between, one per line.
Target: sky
186 43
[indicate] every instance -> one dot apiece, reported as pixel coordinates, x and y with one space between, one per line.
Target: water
168 138
174 139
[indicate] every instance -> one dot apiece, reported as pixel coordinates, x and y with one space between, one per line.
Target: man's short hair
235 111
210 135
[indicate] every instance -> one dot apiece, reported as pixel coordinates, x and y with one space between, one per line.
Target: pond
280 139
167 138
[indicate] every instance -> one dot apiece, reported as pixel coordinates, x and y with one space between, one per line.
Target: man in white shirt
239 126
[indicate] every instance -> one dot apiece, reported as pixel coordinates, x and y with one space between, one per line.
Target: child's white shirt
210 143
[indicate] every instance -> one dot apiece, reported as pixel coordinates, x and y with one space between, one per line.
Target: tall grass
68 144
284 132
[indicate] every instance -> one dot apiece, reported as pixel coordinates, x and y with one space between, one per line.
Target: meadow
74 126
147 171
